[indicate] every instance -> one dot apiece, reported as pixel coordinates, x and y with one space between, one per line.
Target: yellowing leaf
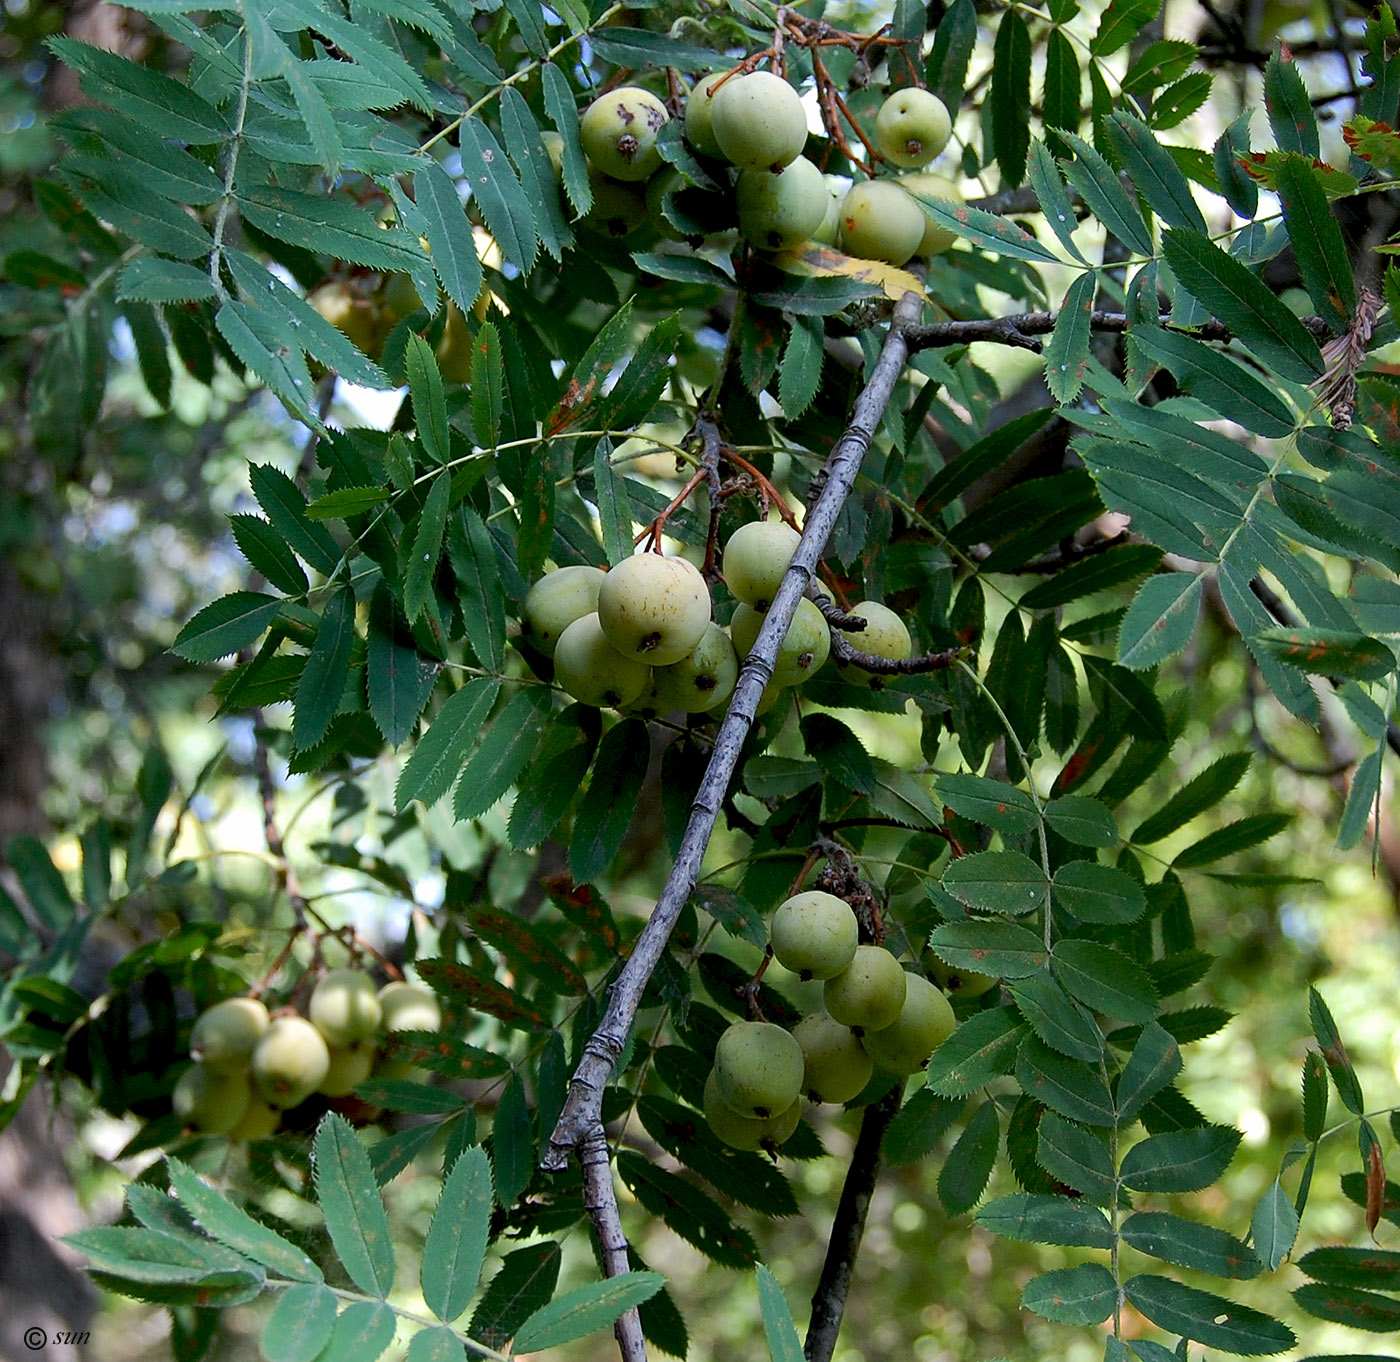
824 262
1378 143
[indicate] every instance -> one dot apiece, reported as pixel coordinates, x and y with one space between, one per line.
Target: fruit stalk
580 1123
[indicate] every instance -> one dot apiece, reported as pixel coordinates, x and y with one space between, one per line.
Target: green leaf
1042 1219
435 1345
1099 186
268 553
1161 620
899 795
1187 1244
1236 184
965 1172
156 1258
263 347
322 681
450 240
285 508
953 41
783 1343
1098 893
1142 710
482 597
1209 1319
226 626
222 1220
578 1313
429 403
1068 1086
1064 85
1273 1228
606 813
1097 573
982 1048
1200 793
1244 303
1314 1096
1059 1021
334 226
524 1283
1339 1064
362 1333
1329 652
1217 380
345 502
439 754
986 231
537 175
1180 1160
1317 241
1340 1266
146 96
1077 1158
919 1125
497 192
427 542
488 385
1122 21
455 1247
1154 173
735 914
993 802
1010 97
300 1325
398 678
1086 1294
1067 354
151 279
1106 979
1001 949
350 1201
1234 837
1081 820
799 375
512 1142
502 753
1346 1305
559 103
614 508
1291 116
1050 190
997 882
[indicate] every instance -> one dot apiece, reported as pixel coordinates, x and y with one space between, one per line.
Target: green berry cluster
250 1066
876 1014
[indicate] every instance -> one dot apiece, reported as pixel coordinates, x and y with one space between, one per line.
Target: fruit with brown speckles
654 609
618 132
912 127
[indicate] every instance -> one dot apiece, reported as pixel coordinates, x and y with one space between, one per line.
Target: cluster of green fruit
876 1014
640 637
250 1066
757 123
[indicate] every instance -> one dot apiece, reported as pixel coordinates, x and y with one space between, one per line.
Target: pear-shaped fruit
618 132
804 648
257 1123
936 238
869 993
618 208
349 1066
884 635
224 1035
344 1006
702 680
912 127
592 670
556 601
409 1007
756 556
782 209
699 129
747 1132
925 1021
758 121
836 1066
957 982
654 609
814 934
758 1069
208 1102
879 221
290 1061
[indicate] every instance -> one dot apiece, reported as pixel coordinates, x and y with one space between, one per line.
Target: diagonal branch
580 1124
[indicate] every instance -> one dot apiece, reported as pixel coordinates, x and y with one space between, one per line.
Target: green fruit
592 670
836 1065
400 298
290 1061
654 609
455 347
755 558
829 232
814 934
758 1069
747 1132
556 601
618 132
699 130
957 982
409 1007
804 648
257 1123
224 1035
912 127
344 1007
703 679
758 121
349 1066
925 1021
884 635
618 209
879 221
210 1103
869 993
936 238
780 210
356 316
